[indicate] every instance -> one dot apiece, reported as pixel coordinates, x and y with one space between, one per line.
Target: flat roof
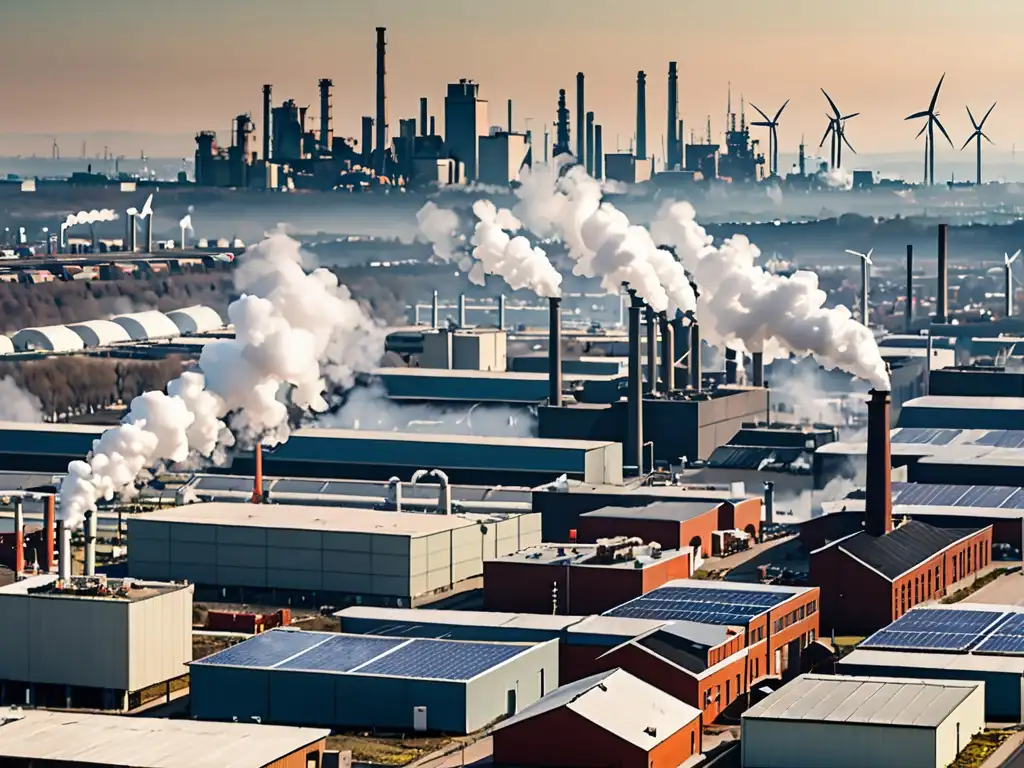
696 492
28 426
457 618
930 660
330 433
582 555
865 701
146 742
308 518
470 373
89 588
671 511
967 402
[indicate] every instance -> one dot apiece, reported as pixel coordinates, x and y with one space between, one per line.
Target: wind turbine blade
923 129
856 253
831 103
761 124
762 114
970 138
1014 257
935 96
825 137
988 140
936 119
779 113
982 123
916 115
846 141
850 117
973 121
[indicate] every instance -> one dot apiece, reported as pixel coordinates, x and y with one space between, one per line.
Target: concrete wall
530 675
159 638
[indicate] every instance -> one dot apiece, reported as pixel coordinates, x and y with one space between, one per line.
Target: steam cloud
17 404
295 331
89 217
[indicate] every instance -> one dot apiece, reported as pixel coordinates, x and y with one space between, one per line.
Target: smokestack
865 278
366 142
598 152
943 289
63 552
634 453
1009 290
131 242
769 502
757 369
257 483
909 312
19 537
433 130
267 90
581 149
731 366
878 517
90 543
48 531
590 143
382 102
674 160
502 308
641 115
325 86
651 383
434 312
695 361
423 116
668 364
555 352
562 128
681 340
147 232
510 115
462 310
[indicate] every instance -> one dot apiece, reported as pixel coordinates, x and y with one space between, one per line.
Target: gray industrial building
945 412
42 447
475 386
320 553
406 684
94 643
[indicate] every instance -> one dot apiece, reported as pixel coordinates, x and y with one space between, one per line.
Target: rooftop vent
651 731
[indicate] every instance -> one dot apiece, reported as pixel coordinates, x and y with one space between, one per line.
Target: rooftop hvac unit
419 719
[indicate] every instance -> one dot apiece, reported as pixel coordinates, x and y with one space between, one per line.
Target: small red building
608 719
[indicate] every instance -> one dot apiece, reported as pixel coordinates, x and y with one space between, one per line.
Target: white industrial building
380 556
95 644
196 319
48 338
100 333
6 345
828 721
145 326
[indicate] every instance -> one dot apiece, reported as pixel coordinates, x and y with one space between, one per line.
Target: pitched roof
903 548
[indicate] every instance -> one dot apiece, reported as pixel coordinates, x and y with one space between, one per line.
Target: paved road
1006 590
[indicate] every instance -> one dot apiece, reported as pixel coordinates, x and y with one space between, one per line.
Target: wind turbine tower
773 135
932 120
865 278
837 125
978 135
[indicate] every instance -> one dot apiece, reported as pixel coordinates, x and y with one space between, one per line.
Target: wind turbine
865 276
837 124
978 135
773 136
932 119
1008 267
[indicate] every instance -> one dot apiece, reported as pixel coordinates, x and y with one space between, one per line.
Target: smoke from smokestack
294 332
17 404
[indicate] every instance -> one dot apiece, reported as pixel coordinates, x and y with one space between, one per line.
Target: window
929 585
969 560
728 692
707 698
810 635
739 687
542 682
312 760
916 598
693 742
903 598
936 578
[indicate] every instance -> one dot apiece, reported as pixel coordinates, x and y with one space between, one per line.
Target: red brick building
608 719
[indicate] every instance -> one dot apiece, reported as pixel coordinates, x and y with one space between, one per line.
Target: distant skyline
148 76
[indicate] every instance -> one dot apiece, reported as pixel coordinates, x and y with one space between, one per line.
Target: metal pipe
769 502
651 380
590 143
909 312
941 308
382 101
555 351
462 310
49 511
90 543
598 152
581 149
502 308
695 361
878 502
434 312
668 363
641 115
510 115
757 369
731 366
63 552
267 89
423 116
19 537
635 399
257 485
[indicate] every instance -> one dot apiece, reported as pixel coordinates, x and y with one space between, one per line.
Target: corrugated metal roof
759 458
100 333
619 703
903 548
458 618
672 511
142 326
51 338
924 661
196 319
864 700
147 742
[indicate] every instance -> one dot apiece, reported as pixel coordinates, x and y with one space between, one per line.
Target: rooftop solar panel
707 606
1002 438
935 495
341 653
947 629
925 436
985 496
266 650
441 659
1008 637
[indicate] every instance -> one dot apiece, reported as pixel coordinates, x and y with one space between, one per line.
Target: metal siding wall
149 549
14 645
788 744
386 702
220 693
967 720
487 696
63 632
302 698
159 638
468 550
439 561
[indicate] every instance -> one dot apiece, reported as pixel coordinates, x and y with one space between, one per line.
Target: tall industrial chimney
63 551
581 148
668 363
267 91
878 516
562 138
147 232
48 531
502 311
769 502
366 142
909 312
941 309
434 312
325 86
731 366
131 243
1008 275
681 339
433 129
462 310
641 114
19 537
509 129
590 143
90 543
423 116
696 374
757 369
634 448
865 280
555 352
651 383
382 103
674 155
257 481
598 152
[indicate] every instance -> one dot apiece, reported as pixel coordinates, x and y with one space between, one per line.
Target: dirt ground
384 750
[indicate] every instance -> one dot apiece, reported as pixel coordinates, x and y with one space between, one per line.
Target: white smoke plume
440 227
296 333
838 178
17 404
89 217
514 259
186 223
751 309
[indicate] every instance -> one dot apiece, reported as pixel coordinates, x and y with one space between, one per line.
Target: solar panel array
952 630
990 496
706 606
298 651
924 436
1002 438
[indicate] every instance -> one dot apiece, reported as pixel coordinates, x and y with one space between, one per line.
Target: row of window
793 617
924 588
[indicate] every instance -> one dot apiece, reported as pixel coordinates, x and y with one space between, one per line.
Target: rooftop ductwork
555 351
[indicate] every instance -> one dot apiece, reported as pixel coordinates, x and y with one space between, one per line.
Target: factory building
307 553
984 381
406 684
33 738
145 326
943 412
196 319
874 576
100 333
478 349
825 721
50 338
134 635
44 447
579 579
502 156
465 122
967 642
470 386
611 718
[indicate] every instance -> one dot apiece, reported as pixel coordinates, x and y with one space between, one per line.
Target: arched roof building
196 319
49 338
144 326
100 333
6 345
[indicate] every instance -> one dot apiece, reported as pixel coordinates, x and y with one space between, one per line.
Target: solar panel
441 659
1008 637
223 483
935 495
946 629
925 436
1002 438
708 606
341 653
266 649
295 485
1016 501
985 496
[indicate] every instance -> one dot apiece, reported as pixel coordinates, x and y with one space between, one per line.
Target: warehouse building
33 738
196 319
944 412
825 721
245 551
477 385
50 338
43 447
146 326
980 381
580 579
100 333
343 681
134 635
611 718
967 642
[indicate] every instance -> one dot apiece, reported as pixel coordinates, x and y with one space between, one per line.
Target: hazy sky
168 69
